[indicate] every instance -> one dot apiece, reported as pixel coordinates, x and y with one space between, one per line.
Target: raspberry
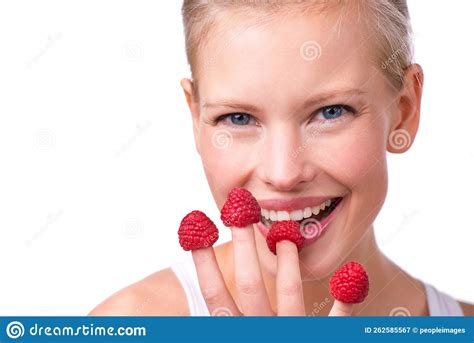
350 283
284 230
197 231
240 209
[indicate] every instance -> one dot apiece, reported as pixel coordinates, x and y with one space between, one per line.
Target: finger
248 276
341 309
290 298
216 295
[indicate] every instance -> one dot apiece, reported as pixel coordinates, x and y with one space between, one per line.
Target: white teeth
307 212
273 216
315 210
324 204
296 215
283 215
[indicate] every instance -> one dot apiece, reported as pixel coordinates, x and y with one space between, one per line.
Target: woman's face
297 108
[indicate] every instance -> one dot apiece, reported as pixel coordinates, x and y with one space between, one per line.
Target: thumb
341 309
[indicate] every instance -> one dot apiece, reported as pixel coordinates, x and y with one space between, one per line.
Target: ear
193 105
405 124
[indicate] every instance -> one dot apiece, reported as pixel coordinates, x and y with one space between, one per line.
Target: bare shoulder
159 294
467 308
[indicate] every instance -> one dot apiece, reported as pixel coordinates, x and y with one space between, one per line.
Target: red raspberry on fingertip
350 283
240 209
197 231
284 230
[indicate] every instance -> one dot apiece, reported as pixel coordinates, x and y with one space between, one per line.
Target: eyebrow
232 104
311 101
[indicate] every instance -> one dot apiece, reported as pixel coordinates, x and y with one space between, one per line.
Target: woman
299 103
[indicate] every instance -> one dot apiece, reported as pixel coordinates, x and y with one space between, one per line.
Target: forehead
285 58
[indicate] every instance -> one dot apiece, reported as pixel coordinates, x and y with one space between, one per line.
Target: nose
284 163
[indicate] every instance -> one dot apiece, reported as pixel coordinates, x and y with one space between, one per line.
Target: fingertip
341 309
288 257
286 247
289 249
242 234
203 254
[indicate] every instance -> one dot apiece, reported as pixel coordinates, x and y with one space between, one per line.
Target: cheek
357 159
225 162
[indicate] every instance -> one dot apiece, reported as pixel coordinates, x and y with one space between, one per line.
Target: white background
98 164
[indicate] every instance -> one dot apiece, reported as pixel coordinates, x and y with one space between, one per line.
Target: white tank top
439 303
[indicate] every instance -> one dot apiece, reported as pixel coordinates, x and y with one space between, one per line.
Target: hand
249 282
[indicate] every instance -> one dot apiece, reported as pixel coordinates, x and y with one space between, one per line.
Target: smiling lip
323 225
293 204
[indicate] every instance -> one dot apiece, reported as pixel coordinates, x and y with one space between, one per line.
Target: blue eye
334 112
238 118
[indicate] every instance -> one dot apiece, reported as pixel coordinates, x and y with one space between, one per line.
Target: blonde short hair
389 19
